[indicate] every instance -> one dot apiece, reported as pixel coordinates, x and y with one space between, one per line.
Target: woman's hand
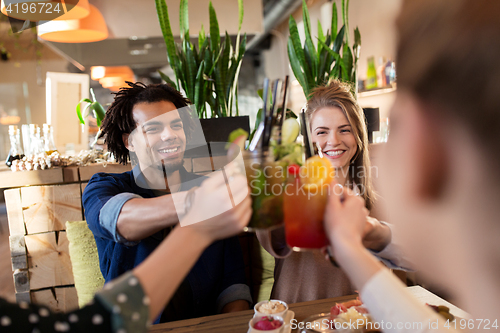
221 207
345 219
376 236
345 224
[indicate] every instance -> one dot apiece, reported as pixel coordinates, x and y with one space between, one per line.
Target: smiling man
131 213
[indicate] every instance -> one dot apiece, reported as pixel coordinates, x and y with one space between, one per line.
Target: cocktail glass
304 208
265 179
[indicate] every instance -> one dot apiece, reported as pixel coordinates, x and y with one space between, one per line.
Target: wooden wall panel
47 208
48 260
58 299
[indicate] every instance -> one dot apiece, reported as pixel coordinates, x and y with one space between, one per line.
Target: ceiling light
89 29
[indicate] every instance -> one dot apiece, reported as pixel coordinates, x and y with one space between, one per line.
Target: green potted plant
207 72
333 58
97 110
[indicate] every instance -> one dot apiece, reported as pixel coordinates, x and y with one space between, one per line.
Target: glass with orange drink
305 199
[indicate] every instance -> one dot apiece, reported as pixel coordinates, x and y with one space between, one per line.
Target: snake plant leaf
99 112
335 72
231 73
322 65
310 70
211 101
224 61
239 59
339 40
219 92
295 40
334 22
321 36
191 70
357 44
201 37
167 79
338 61
162 10
208 61
184 18
345 9
348 62
240 14
199 84
242 48
309 49
214 28
357 37
295 64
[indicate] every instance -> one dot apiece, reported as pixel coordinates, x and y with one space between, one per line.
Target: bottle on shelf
371 75
390 72
36 143
16 152
48 139
381 79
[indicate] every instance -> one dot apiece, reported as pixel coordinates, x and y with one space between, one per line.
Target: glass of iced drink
305 199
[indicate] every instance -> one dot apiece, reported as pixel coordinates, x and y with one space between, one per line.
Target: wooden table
238 322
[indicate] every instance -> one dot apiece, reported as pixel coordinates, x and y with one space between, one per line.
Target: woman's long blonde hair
339 94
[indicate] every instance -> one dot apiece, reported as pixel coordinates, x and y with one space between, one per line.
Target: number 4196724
33 8
472 324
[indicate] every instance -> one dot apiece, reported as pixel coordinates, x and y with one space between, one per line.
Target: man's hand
345 219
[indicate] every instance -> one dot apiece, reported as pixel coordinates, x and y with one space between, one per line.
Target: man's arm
114 212
140 218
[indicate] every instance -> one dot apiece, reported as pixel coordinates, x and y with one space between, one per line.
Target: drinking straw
260 130
306 133
281 116
271 118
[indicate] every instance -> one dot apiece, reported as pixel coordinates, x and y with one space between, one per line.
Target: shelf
376 92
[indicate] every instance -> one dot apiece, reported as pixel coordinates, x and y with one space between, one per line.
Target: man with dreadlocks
130 220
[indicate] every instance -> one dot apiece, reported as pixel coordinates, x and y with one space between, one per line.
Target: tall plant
333 58
207 72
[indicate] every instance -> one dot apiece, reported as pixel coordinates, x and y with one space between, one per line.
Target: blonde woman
338 127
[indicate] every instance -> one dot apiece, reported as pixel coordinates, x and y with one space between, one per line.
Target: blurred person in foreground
440 176
132 212
130 302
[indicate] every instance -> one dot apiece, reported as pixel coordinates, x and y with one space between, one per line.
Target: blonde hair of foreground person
440 173
338 94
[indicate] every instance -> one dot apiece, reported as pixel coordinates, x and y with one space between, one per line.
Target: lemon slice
318 172
289 131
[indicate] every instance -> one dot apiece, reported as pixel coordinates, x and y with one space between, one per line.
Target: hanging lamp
45 10
112 77
89 29
99 72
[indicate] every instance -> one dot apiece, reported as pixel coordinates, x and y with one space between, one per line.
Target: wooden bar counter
238 322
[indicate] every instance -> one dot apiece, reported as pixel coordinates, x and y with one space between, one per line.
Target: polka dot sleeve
129 306
32 318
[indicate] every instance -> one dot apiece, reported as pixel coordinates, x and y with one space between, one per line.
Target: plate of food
351 317
348 317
